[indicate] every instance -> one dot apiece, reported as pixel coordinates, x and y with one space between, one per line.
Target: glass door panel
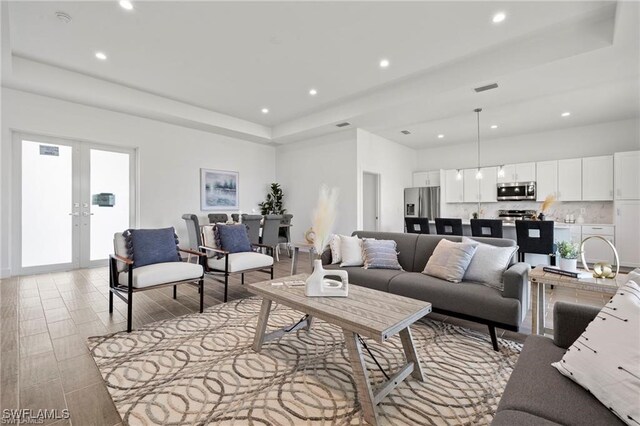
109 192
48 212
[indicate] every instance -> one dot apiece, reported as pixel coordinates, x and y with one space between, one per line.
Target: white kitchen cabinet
547 179
471 186
575 233
426 178
521 172
596 250
488 184
627 221
597 178
570 179
454 186
627 175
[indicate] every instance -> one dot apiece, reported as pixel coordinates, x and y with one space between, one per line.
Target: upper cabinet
521 172
547 179
454 188
597 178
627 175
570 179
426 178
471 186
488 184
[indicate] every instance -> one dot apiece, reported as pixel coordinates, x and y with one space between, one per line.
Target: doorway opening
370 201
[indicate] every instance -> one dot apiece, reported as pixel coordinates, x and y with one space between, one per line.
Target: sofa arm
569 321
516 283
326 256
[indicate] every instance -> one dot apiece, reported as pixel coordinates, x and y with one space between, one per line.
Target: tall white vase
317 285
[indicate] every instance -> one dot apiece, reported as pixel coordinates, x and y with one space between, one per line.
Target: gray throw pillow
450 260
488 263
150 246
233 238
380 254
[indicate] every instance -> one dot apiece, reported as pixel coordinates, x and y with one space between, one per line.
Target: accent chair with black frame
219 262
126 279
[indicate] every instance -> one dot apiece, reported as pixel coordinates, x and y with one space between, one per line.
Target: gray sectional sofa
467 300
537 394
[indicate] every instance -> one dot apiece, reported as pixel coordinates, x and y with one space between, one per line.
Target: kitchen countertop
559 225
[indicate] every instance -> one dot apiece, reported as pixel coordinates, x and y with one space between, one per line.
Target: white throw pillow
336 254
488 263
605 359
633 276
450 260
351 251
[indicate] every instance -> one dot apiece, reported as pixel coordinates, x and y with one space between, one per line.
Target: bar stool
540 243
486 228
417 225
447 226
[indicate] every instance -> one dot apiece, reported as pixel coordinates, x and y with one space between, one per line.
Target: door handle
74 214
87 214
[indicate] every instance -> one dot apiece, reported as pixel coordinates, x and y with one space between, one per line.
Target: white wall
303 167
169 158
395 164
597 139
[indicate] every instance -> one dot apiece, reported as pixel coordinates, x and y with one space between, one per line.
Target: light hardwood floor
45 320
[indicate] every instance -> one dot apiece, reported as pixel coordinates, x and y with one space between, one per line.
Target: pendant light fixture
478 172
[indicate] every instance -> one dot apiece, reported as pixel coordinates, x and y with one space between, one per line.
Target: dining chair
448 226
270 230
253 224
417 225
235 217
219 262
536 237
284 233
486 228
126 278
218 218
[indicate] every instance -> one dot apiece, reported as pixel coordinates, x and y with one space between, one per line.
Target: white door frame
378 192
81 182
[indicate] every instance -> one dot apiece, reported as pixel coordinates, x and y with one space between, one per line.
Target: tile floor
45 320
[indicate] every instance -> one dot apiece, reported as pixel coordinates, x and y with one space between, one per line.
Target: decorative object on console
601 269
274 203
218 190
310 236
546 205
569 253
318 285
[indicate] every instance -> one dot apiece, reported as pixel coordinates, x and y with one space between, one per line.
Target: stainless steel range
513 215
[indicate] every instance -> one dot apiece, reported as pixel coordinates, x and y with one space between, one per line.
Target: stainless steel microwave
516 191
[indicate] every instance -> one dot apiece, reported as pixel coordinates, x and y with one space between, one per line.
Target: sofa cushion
234 238
380 254
539 389
150 246
465 298
241 261
377 279
351 251
488 263
334 246
161 273
520 418
406 245
450 260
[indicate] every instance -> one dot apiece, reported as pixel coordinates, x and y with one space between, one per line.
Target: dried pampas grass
547 203
324 216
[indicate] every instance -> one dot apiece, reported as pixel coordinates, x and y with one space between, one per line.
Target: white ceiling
236 57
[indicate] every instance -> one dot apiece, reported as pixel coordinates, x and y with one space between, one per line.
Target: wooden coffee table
365 313
539 279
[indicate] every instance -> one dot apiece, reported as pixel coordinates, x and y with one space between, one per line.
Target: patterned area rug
200 369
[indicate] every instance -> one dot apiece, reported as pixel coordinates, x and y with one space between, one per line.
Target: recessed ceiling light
384 63
101 56
313 92
440 136
265 110
565 114
494 126
499 17
126 4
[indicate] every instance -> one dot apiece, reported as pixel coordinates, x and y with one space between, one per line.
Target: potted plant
569 253
274 203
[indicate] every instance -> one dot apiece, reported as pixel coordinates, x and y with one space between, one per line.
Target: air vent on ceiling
345 124
487 87
405 132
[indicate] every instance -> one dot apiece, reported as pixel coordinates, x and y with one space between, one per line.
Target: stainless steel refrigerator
422 202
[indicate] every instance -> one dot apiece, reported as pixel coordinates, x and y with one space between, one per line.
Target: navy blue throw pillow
149 246
234 238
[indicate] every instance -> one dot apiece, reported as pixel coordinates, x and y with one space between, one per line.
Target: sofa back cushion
406 245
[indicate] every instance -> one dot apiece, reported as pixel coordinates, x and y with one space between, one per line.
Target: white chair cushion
161 273
242 261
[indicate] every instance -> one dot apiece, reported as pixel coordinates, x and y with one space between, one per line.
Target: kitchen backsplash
594 211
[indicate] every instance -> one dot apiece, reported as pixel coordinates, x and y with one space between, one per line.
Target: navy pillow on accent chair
234 238
149 246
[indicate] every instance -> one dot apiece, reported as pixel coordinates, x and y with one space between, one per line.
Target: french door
70 198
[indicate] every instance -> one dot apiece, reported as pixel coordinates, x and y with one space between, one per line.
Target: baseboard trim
5 273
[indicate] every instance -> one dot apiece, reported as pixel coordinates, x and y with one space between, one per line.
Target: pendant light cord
477 111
